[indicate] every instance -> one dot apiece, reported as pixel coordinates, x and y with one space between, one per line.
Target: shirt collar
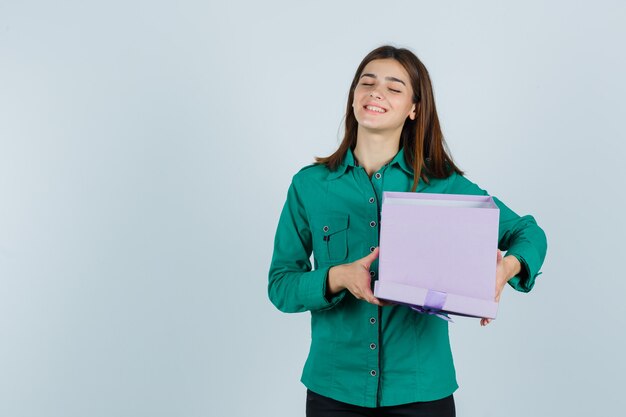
349 161
401 162
408 169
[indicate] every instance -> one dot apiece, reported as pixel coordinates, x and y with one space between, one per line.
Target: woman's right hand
355 277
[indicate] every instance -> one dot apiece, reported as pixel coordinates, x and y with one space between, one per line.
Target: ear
413 113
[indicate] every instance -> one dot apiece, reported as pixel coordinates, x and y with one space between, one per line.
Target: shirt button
377 176
373 372
372 274
325 228
372 346
372 223
372 248
372 199
373 320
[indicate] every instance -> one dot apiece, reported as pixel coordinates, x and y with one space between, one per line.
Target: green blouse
360 353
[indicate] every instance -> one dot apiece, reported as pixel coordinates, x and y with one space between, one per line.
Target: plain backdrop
146 148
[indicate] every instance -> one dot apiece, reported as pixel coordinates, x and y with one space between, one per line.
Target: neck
374 150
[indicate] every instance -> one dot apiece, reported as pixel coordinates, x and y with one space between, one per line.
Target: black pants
320 406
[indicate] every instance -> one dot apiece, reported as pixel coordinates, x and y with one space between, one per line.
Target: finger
362 295
368 295
357 293
376 301
499 256
367 260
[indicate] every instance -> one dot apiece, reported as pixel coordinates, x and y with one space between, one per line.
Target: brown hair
424 146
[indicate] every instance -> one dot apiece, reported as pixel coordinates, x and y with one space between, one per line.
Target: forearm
335 283
512 266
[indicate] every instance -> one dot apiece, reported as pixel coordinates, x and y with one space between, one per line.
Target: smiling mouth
375 109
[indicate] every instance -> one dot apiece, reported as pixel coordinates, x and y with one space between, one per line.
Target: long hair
424 146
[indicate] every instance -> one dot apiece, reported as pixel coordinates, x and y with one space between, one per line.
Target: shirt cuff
524 281
314 291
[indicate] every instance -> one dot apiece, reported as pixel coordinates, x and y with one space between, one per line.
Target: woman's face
383 97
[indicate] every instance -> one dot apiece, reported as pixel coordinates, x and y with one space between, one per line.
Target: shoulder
460 184
311 173
309 185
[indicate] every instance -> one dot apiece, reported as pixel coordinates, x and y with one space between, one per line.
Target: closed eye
394 91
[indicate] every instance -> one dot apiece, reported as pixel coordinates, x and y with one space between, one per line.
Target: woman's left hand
506 268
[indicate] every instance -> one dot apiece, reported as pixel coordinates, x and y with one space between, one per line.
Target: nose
375 94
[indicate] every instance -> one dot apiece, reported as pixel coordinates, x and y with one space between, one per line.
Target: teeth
376 109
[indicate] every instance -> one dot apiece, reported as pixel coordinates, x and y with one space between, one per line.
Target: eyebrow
386 78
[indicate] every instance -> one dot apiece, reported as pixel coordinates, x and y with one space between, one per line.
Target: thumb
499 258
367 260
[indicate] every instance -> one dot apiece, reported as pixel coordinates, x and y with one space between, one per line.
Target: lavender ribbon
433 304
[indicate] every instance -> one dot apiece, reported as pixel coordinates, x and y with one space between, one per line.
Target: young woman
368 357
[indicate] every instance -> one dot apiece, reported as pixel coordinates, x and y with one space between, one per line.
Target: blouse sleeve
519 236
293 286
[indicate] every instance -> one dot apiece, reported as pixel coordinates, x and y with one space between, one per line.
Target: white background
146 148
